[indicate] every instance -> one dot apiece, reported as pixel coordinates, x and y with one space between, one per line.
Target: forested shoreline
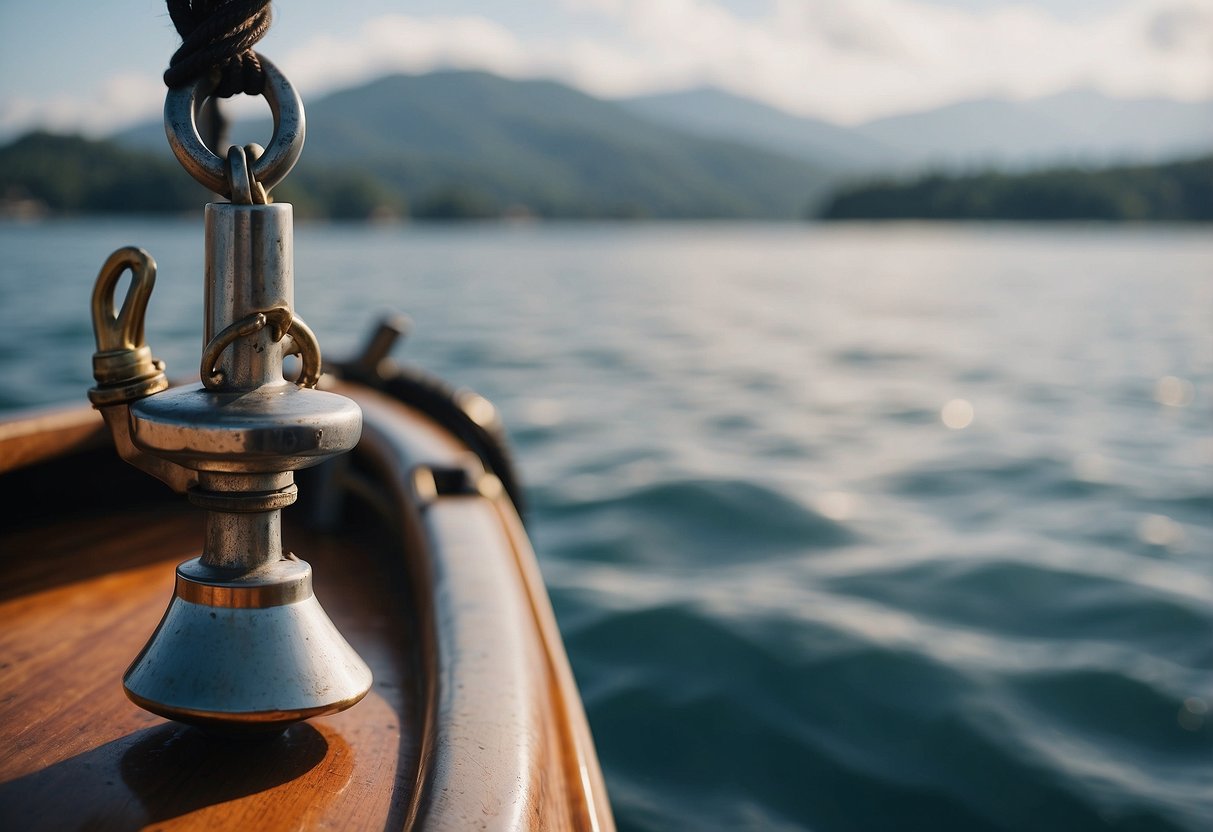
44 173
1172 192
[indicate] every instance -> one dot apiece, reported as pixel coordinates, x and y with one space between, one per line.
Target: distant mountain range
1080 127
711 112
538 145
467 144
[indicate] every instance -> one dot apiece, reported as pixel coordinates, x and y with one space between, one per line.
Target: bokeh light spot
1160 530
837 505
957 414
1173 391
1092 468
1192 715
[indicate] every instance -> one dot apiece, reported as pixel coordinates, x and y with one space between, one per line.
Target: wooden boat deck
473 720
75 753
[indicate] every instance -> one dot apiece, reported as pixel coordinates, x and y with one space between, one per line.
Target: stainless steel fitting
244 641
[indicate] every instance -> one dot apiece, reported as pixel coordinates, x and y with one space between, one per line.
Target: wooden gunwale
474 721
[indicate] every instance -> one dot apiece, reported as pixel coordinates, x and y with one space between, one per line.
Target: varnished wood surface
75 753
473 722
48 433
507 745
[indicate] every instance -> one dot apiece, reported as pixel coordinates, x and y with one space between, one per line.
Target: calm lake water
847 527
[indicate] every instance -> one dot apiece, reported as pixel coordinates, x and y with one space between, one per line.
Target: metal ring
181 126
253 152
212 378
282 322
243 502
240 189
305 345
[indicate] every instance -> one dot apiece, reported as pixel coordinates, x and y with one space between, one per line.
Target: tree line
1172 192
75 175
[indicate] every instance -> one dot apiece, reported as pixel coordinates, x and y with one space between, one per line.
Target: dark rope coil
218 36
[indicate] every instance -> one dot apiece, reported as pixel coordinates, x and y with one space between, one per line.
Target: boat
474 720
430 691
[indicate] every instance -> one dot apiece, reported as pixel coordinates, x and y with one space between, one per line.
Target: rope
218 35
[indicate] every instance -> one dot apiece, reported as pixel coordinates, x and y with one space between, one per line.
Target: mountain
537 145
1082 127
712 112
1077 127
457 143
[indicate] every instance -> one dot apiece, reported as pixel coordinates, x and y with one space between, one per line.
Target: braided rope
219 35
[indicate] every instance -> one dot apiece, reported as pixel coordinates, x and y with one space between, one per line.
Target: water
794 597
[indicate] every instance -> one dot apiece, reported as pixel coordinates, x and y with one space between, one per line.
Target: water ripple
846 528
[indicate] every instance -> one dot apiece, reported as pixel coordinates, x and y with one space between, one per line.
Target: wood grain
75 753
473 722
48 433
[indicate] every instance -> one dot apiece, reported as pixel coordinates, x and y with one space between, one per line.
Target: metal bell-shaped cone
256 653
244 644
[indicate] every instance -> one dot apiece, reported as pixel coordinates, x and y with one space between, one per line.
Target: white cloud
397 43
119 99
865 58
846 61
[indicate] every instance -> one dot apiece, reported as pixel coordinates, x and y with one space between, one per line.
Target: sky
95 67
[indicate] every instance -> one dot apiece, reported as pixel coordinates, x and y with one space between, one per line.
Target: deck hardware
181 108
244 643
282 324
374 362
